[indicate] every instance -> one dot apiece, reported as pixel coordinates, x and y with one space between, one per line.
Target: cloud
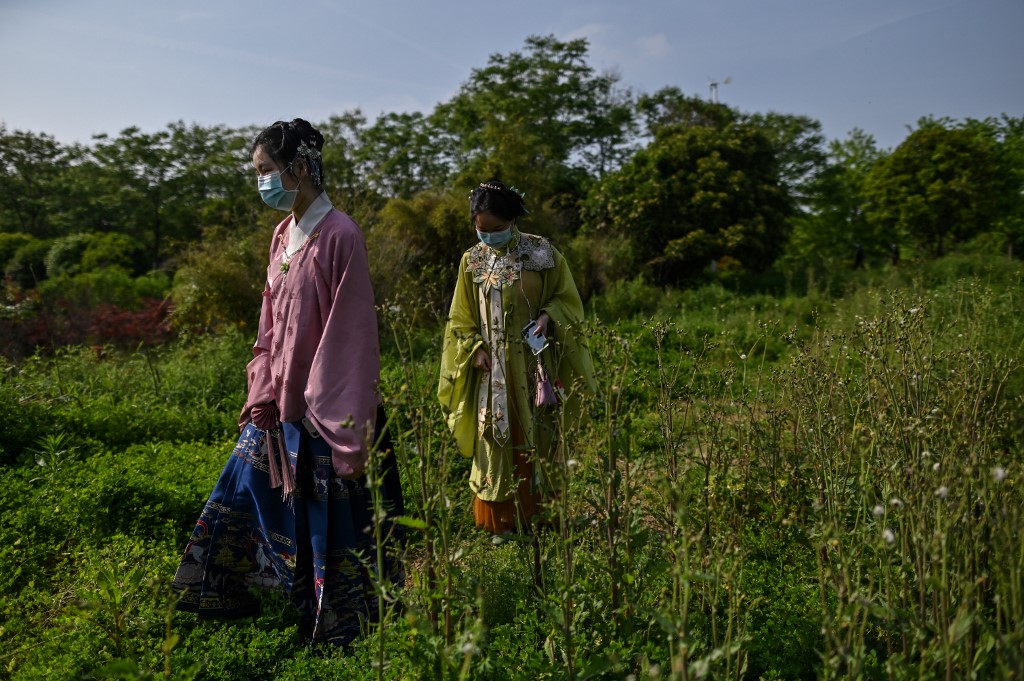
653 46
600 44
609 49
592 32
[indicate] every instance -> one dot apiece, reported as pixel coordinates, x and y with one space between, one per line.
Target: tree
834 221
941 185
696 194
132 174
210 181
219 281
27 267
346 170
799 151
1008 133
541 119
415 245
31 174
669 108
400 157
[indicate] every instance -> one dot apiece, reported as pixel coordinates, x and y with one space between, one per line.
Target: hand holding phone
536 341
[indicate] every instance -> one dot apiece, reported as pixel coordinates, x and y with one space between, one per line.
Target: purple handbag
546 396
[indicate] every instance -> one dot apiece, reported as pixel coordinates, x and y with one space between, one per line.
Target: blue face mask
495 239
273 192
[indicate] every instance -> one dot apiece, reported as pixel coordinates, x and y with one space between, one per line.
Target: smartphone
536 343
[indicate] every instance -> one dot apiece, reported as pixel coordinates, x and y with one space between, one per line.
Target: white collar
316 212
299 231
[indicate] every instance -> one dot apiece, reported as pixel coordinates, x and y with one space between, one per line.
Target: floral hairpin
311 154
308 151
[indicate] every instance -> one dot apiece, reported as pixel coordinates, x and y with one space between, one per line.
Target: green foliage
940 186
31 181
188 390
417 244
107 285
220 281
111 250
628 299
727 503
65 255
824 238
669 108
599 260
799 152
402 156
10 242
348 164
662 184
525 115
694 195
27 267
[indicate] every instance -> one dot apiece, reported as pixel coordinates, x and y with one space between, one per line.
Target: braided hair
495 198
287 141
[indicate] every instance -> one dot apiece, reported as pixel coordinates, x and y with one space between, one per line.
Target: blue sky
73 68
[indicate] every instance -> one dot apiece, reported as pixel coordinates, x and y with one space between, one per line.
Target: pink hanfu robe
316 357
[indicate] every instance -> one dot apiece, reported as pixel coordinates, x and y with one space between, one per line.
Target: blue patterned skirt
319 547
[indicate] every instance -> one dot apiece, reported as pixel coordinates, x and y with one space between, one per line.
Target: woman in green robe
489 373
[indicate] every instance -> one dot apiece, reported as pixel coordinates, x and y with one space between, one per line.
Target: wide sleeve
456 389
261 387
343 392
561 300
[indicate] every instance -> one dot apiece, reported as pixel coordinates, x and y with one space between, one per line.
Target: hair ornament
313 157
522 199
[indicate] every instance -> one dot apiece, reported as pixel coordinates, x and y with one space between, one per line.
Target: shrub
219 282
627 300
65 255
600 260
112 250
10 242
105 286
27 267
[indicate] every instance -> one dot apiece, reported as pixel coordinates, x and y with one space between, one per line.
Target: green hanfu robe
498 292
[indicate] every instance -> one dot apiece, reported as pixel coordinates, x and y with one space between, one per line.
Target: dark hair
285 142
494 197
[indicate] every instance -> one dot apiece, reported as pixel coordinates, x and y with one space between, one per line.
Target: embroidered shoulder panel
493 269
535 253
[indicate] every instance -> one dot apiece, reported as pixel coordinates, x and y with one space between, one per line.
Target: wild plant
423 451
886 415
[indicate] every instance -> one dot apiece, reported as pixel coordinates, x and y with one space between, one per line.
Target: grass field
764 487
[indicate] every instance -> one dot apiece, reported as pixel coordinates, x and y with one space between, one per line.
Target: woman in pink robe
292 508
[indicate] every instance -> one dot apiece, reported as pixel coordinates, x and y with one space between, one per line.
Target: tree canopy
697 194
664 184
940 185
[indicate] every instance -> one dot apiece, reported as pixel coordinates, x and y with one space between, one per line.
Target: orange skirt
515 513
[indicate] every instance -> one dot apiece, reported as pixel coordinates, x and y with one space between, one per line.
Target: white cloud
653 46
592 32
601 47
